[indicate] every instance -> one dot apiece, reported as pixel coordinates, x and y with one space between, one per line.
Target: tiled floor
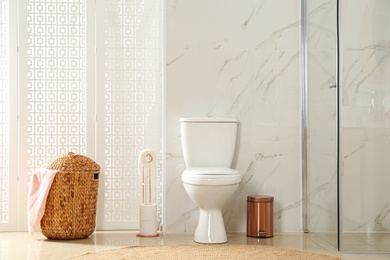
21 245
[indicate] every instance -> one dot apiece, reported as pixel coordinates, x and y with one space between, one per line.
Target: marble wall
237 59
365 196
321 121
364 116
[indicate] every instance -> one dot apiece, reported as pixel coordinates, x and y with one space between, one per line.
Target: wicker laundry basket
71 204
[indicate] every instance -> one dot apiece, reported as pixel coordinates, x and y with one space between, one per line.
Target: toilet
208 146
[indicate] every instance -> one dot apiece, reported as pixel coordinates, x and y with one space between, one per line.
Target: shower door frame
305 116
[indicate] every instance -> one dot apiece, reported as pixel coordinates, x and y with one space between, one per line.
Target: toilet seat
211 176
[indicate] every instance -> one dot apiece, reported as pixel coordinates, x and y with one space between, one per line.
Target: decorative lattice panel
4 111
133 101
53 119
56 58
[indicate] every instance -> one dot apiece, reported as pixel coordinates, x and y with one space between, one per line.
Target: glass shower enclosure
346 126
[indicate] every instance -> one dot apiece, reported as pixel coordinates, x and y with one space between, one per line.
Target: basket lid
73 163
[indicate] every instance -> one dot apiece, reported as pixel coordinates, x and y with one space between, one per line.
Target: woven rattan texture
73 163
71 204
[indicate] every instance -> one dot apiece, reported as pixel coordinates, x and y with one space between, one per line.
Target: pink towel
37 194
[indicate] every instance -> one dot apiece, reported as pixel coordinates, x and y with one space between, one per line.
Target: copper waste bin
260 216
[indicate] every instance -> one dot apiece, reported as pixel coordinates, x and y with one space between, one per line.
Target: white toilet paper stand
148 224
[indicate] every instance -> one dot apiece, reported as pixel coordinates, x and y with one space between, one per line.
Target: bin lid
260 198
72 162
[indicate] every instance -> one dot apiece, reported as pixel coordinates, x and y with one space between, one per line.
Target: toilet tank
208 141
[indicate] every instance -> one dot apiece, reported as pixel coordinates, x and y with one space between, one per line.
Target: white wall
238 59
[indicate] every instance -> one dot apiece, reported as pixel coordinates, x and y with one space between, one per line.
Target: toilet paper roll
148 225
148 228
147 158
147 212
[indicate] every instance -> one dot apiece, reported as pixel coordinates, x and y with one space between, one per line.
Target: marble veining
237 59
277 35
247 66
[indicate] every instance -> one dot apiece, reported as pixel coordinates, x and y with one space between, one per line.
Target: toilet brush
148 225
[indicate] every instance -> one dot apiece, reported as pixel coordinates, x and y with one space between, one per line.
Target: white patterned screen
4 111
56 59
133 91
61 99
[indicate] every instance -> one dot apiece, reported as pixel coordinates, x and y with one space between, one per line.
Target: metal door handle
332 85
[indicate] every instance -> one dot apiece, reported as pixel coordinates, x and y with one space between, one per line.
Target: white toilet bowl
208 146
210 189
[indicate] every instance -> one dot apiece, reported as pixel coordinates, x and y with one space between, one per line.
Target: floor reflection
22 245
